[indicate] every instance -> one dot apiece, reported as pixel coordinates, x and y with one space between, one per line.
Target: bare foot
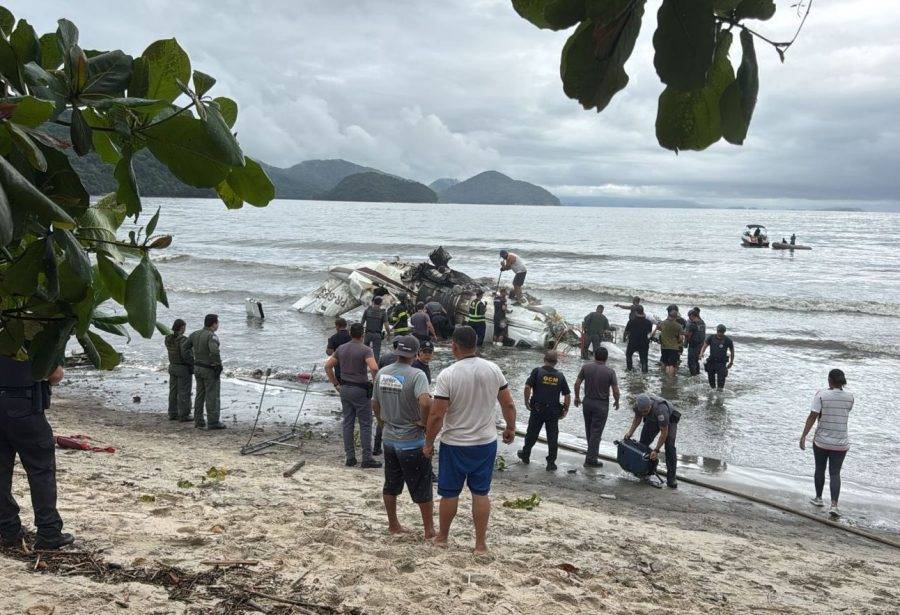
440 542
429 534
399 529
481 550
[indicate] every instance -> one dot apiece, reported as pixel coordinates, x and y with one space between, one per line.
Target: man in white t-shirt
465 397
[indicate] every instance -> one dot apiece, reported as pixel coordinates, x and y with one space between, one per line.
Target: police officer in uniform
202 349
696 335
375 321
399 317
543 389
179 374
721 357
477 319
24 430
660 418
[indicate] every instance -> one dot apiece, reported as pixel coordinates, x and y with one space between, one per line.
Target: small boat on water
784 245
755 236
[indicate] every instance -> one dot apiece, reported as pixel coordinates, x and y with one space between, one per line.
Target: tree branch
166 119
98 128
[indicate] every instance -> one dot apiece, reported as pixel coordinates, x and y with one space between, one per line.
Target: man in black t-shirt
543 390
696 335
423 359
721 357
637 331
335 341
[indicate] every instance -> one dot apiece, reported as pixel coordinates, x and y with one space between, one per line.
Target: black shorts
519 278
670 356
410 467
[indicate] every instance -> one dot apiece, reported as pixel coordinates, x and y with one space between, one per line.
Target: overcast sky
429 89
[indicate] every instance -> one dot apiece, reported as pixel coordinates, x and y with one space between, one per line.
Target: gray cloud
432 89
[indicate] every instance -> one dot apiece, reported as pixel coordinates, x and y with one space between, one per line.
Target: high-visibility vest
476 312
400 320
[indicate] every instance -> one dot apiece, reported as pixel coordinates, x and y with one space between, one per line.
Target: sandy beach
320 539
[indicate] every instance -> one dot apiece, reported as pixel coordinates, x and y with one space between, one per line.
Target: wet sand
320 536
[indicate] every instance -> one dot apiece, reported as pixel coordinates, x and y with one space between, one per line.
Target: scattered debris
524 503
293 469
607 496
567 567
185 484
136 399
147 498
500 464
217 474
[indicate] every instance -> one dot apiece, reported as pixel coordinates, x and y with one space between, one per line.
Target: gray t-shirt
598 378
397 390
660 411
352 359
419 323
433 307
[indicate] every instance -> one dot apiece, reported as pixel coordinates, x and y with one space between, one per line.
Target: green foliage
524 503
702 101
61 260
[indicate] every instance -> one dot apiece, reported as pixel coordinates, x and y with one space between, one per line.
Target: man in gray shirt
598 379
401 403
421 324
356 360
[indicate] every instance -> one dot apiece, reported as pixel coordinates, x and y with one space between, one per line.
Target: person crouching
659 417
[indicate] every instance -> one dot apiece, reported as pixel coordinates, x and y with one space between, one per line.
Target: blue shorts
472 465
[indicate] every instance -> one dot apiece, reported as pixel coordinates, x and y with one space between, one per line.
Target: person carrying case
634 458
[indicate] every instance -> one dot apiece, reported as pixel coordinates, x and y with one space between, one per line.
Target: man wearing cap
464 413
695 334
598 379
637 332
477 319
671 336
721 357
375 320
543 390
515 263
659 417
401 404
595 325
423 359
356 361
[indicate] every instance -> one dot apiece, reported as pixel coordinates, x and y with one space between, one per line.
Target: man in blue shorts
465 398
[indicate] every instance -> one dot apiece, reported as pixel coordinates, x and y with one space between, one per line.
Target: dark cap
407 347
426 346
721 329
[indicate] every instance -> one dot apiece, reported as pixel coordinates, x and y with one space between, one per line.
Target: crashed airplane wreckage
529 324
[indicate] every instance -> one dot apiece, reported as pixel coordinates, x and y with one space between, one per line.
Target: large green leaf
725 7
202 82
48 346
31 111
7 21
106 143
685 41
99 223
140 298
113 278
126 185
754 9
66 35
12 335
6 220
692 120
251 184
228 108
108 74
222 137
23 196
89 349
80 133
10 67
21 278
115 329
156 73
51 56
75 256
61 183
109 356
183 144
27 147
593 59
533 11
739 99
25 42
228 196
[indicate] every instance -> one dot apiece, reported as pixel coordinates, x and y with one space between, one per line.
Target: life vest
400 320
476 315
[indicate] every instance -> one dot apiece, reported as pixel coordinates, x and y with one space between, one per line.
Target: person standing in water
547 398
831 408
515 263
696 335
670 339
637 332
721 357
594 326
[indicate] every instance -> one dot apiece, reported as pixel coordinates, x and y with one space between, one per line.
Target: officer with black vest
543 389
180 371
477 319
24 430
375 321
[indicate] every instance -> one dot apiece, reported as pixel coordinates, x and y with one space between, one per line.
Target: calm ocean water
793 317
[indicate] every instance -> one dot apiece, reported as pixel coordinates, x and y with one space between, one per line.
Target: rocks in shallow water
136 399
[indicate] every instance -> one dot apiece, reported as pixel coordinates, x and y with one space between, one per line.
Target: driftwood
293 469
230 562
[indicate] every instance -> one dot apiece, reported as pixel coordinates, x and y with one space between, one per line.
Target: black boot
54 542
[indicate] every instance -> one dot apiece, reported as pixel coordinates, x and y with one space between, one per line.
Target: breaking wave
230 263
233 294
837 346
754 302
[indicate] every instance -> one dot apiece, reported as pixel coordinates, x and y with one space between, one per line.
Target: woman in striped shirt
830 408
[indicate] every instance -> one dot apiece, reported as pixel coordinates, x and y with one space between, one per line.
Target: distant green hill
494 188
373 186
311 178
439 185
